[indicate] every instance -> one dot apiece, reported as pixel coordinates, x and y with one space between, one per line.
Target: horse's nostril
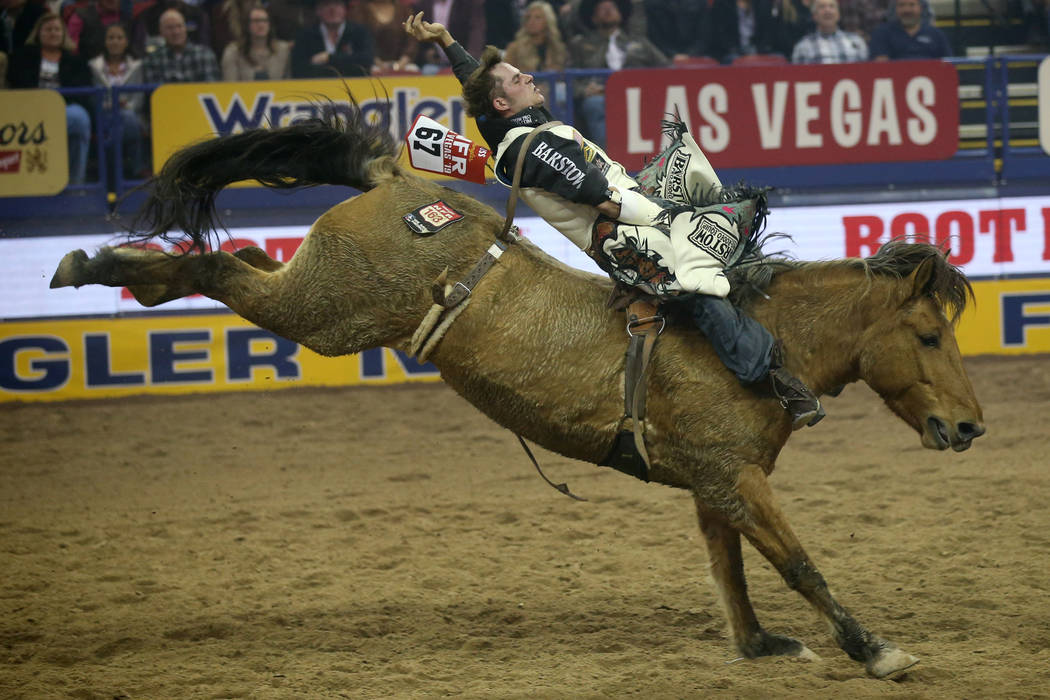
969 431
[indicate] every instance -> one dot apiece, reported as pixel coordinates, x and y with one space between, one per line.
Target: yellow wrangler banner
188 112
112 357
34 159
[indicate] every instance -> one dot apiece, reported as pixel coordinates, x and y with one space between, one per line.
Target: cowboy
664 249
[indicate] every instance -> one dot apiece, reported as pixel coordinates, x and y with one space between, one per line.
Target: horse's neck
821 317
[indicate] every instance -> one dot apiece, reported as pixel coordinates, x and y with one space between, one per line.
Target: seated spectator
395 49
17 20
334 46
792 20
908 35
258 54
679 28
87 25
538 45
179 60
829 44
288 17
115 67
229 20
47 61
741 28
146 32
572 25
606 45
862 16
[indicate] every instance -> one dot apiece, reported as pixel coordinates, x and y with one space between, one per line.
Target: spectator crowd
71 43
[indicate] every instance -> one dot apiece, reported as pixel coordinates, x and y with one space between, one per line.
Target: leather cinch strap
512 201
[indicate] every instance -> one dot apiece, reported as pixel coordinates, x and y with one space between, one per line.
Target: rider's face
519 90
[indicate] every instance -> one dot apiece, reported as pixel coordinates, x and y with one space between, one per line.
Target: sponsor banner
1044 104
790 115
987 238
188 112
34 159
1011 317
101 358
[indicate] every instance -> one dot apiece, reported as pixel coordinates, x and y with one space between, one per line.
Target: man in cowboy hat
668 249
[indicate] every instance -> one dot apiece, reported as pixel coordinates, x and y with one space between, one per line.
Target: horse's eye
930 341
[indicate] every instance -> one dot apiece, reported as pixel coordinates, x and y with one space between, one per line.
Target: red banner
790 115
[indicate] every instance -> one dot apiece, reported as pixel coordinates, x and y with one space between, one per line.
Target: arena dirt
393 542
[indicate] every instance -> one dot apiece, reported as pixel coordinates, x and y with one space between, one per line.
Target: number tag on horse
428 220
435 148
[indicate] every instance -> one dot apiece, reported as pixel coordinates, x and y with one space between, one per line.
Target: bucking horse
539 350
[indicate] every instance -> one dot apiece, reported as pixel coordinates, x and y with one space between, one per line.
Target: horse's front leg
760 520
727 569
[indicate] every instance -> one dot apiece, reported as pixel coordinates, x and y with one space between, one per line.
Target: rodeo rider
652 245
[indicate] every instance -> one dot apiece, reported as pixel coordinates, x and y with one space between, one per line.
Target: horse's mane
896 258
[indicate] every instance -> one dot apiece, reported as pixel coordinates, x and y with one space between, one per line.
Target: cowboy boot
795 397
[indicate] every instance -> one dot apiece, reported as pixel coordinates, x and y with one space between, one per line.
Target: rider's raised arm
463 64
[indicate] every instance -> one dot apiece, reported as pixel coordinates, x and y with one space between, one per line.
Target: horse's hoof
891 662
807 655
69 270
766 644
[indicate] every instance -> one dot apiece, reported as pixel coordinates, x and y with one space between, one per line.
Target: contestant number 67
428 140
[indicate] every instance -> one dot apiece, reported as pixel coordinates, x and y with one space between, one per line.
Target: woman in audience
47 61
538 45
116 67
258 54
395 49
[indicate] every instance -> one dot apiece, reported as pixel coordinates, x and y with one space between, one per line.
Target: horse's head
911 358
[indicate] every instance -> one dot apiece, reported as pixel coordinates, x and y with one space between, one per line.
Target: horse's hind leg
761 521
155 277
154 294
166 273
727 569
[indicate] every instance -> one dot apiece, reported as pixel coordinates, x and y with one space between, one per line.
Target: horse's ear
921 278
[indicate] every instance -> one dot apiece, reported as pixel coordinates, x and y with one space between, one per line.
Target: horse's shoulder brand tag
431 218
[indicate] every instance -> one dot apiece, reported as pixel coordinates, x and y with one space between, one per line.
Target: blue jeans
78 127
592 110
742 343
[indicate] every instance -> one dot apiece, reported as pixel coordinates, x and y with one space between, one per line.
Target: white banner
988 238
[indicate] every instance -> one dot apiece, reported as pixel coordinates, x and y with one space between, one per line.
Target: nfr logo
1020 312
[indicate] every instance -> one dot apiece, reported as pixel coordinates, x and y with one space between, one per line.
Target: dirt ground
393 542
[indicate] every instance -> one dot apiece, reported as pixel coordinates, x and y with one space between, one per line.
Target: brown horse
538 350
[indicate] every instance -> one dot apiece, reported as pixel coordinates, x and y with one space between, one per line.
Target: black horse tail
335 149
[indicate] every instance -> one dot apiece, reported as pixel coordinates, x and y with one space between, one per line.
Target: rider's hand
422 30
